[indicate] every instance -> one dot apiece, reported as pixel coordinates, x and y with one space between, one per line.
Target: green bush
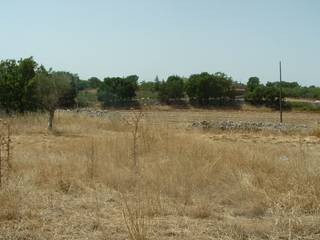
205 86
303 106
86 99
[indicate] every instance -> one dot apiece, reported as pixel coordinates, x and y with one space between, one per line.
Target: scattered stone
241 125
87 111
284 158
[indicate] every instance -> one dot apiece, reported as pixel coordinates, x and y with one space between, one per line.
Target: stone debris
284 158
242 125
87 111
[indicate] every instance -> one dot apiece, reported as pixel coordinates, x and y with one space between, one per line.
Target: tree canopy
16 85
116 89
54 89
173 88
258 93
205 86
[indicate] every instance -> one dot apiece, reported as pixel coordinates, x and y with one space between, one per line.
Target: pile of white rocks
243 125
87 111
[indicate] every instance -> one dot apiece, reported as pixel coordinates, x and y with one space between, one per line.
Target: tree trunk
50 120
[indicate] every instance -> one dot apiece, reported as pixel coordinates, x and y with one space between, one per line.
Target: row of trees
26 86
201 87
258 93
269 94
198 87
294 90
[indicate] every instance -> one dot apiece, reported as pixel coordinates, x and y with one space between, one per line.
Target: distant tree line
200 88
294 90
27 86
259 94
269 94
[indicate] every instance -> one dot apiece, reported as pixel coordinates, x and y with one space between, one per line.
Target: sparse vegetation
191 184
302 106
5 152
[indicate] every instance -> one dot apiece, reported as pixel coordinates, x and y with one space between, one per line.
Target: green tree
268 94
253 83
26 88
117 89
8 76
94 82
156 84
52 88
17 88
255 92
192 86
205 86
147 86
258 95
83 85
173 88
69 98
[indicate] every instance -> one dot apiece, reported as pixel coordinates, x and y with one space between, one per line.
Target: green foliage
157 84
25 86
87 99
205 86
147 86
303 106
269 94
293 89
173 88
54 89
148 90
117 89
253 83
257 93
94 82
68 100
17 87
83 85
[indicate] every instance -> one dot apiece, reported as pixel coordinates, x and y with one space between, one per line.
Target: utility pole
280 101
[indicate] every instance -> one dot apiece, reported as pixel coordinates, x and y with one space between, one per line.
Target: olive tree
52 87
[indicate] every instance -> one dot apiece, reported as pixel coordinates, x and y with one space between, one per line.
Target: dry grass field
151 176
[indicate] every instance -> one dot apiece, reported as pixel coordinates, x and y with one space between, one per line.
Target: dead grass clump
255 210
201 210
5 151
135 218
316 132
64 185
10 204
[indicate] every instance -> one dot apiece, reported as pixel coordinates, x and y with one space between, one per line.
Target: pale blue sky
162 37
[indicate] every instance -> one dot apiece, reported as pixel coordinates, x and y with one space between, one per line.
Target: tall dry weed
5 151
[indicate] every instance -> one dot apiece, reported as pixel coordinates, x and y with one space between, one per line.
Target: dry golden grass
90 179
316 130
